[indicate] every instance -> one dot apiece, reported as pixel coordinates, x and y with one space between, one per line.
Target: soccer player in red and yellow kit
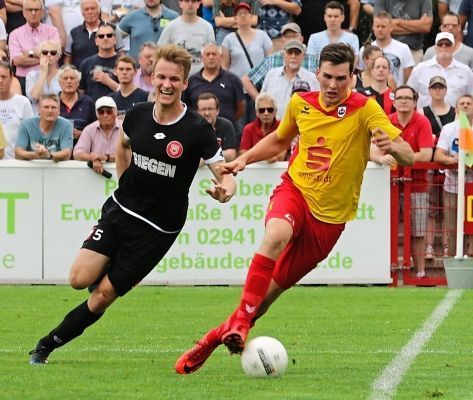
319 193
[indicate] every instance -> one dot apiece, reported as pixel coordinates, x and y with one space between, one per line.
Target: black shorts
134 247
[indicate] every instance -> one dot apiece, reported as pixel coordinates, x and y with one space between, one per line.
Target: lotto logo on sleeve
174 149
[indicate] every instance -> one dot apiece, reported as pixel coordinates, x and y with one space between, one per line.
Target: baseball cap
294 44
105 101
301 86
246 6
291 26
445 35
437 80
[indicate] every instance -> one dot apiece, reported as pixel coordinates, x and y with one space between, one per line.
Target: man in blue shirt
145 24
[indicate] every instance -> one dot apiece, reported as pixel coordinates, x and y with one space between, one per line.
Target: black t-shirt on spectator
92 88
125 103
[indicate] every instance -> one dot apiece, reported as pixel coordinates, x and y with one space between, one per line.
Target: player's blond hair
175 54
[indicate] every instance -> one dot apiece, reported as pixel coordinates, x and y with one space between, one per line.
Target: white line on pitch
386 384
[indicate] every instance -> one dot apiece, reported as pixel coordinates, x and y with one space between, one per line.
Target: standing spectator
446 153
224 16
80 42
257 44
45 79
77 108
113 11
47 136
334 14
214 79
439 113
466 16
446 6
397 52
458 76
98 140
254 79
143 77
209 107
24 41
64 15
128 94
411 20
189 31
13 109
379 88
98 78
14 14
146 24
416 131
264 123
280 80
461 52
273 15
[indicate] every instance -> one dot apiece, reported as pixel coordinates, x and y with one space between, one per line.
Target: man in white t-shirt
64 15
13 109
398 53
189 31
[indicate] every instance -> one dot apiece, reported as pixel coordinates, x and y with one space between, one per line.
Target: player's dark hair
335 5
175 54
338 53
415 95
208 96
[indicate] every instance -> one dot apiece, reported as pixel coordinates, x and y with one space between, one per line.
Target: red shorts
312 240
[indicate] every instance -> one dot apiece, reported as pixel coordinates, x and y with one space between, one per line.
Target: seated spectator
77 108
265 123
143 77
208 106
98 78
379 88
13 109
279 81
15 83
127 94
98 140
45 80
446 153
47 136
80 42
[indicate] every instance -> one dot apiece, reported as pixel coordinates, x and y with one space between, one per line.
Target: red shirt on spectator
418 133
252 133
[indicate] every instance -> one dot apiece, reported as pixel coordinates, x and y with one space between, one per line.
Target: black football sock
72 326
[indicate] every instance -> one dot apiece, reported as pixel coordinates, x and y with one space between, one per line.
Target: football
264 357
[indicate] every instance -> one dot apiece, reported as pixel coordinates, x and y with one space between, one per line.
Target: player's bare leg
87 268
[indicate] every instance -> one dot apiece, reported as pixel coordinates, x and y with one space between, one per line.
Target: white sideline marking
385 385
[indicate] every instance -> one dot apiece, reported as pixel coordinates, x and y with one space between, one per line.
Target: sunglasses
46 52
190 1
107 35
270 110
444 44
108 111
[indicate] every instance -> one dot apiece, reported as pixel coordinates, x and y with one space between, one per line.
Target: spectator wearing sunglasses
23 41
98 140
45 80
98 77
265 123
145 24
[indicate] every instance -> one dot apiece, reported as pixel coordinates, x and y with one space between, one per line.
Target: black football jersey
164 161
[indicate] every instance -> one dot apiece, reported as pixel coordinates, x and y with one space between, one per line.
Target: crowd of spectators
69 71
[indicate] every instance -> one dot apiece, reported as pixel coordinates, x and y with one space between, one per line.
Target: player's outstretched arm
270 146
224 185
122 154
398 148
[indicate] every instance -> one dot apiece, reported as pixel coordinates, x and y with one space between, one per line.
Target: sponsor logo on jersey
154 166
159 135
174 149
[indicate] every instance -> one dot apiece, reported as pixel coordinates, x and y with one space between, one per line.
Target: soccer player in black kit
157 158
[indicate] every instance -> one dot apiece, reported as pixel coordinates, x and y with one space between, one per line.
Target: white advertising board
218 240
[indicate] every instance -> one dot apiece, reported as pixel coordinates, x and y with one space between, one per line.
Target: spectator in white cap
279 81
458 76
98 139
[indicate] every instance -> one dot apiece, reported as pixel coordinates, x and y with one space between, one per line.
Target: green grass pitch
339 340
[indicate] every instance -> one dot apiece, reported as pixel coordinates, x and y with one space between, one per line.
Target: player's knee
76 281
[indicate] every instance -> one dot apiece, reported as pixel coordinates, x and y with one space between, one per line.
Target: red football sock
256 285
